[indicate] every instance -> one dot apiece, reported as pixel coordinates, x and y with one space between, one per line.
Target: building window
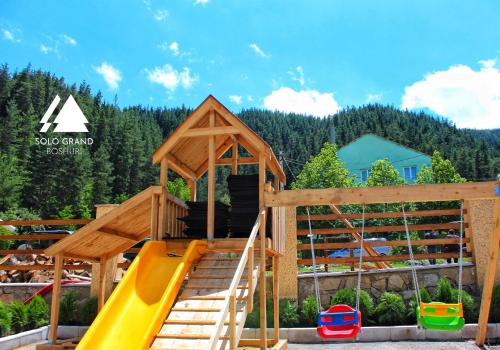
410 172
364 175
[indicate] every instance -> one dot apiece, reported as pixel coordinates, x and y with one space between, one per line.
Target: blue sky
305 56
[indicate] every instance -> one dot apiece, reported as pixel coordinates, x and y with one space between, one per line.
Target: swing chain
412 260
358 289
460 259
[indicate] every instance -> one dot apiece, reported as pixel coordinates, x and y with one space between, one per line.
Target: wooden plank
241 161
396 228
276 325
180 167
399 243
357 236
235 158
262 260
218 153
51 222
163 202
35 237
117 234
192 189
383 194
211 131
56 297
211 181
322 260
384 215
101 295
154 215
50 267
489 279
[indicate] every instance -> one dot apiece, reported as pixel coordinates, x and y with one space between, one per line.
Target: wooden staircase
193 320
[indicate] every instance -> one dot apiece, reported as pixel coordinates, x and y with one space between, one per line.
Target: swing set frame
414 193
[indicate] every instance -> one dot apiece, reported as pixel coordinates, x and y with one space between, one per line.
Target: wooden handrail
51 222
230 299
323 260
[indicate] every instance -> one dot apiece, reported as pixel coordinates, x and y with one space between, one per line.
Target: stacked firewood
19 271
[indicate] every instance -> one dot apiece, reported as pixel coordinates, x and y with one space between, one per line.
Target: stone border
379 334
24 338
294 335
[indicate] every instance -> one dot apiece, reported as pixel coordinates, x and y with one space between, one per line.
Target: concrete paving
390 346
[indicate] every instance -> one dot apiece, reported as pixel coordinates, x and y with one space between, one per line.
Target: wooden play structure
222 276
181 293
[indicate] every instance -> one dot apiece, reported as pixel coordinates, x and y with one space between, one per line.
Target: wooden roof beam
217 130
219 152
243 160
114 233
180 168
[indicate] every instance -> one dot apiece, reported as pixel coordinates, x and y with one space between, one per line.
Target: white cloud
298 77
174 48
467 97
9 35
160 15
111 75
69 40
250 98
170 78
45 49
258 50
235 99
374 97
201 2
310 102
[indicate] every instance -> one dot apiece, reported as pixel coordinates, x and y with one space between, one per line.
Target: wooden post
489 279
232 322
163 219
101 295
192 189
211 181
276 294
234 162
250 268
154 216
56 297
288 269
262 267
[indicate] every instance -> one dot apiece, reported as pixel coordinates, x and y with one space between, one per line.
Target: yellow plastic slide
135 311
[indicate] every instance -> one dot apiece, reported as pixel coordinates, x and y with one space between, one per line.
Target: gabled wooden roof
186 149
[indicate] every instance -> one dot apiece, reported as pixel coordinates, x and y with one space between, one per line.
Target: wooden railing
246 260
176 209
329 247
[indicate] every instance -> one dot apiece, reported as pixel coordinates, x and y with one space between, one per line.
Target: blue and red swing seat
339 322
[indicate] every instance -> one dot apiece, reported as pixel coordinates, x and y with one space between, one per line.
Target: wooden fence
324 249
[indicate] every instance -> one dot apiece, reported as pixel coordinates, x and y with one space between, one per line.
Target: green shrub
89 311
5 320
348 296
38 313
4 244
443 291
391 309
468 304
411 310
495 305
19 316
309 312
288 313
68 310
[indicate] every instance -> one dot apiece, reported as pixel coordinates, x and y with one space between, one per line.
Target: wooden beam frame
385 194
489 279
211 181
218 153
56 297
211 131
262 257
114 233
240 161
235 158
179 167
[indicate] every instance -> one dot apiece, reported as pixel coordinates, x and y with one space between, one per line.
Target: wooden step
195 322
188 336
212 277
213 287
195 309
207 297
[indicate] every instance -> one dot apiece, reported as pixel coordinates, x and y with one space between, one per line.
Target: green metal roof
361 153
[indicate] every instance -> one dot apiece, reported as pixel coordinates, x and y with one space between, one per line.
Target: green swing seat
440 316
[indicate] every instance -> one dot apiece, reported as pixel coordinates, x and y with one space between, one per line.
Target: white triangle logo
69 119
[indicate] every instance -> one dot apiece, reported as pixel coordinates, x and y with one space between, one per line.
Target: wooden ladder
192 320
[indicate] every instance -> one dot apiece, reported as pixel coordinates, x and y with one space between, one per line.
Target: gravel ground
391 346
